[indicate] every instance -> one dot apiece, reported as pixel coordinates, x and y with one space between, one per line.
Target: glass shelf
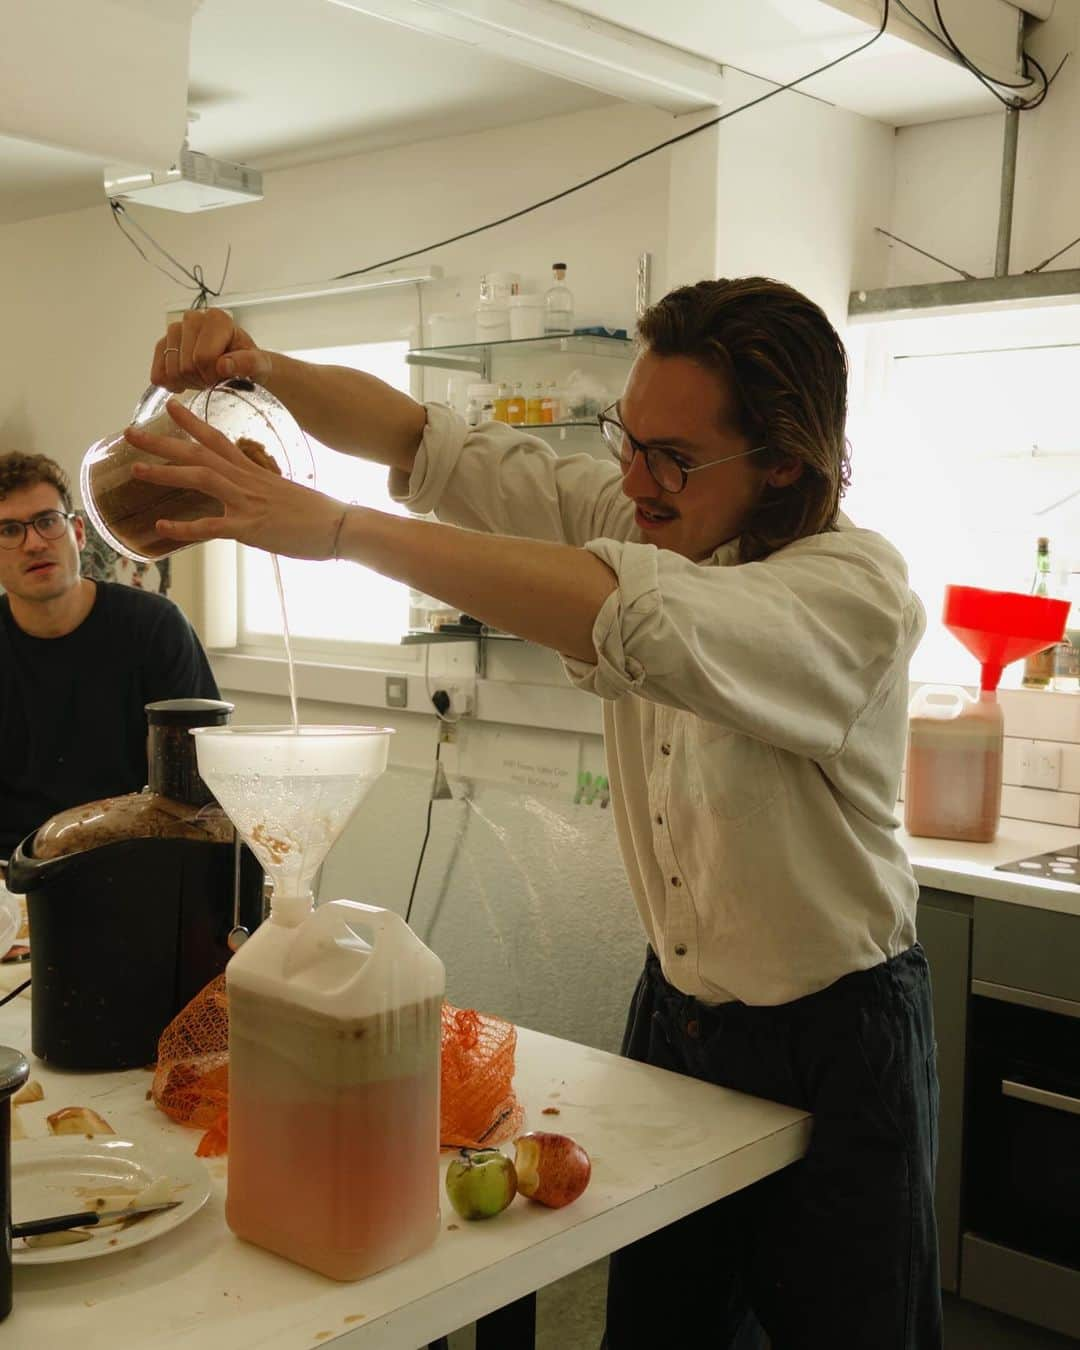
476 356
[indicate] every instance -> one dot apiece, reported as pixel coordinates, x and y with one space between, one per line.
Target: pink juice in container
334 1022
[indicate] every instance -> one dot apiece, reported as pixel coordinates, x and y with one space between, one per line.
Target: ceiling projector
194 182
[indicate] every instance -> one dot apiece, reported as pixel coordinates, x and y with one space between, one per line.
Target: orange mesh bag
478 1107
191 1083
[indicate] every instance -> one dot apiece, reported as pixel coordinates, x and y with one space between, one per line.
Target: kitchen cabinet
1006 988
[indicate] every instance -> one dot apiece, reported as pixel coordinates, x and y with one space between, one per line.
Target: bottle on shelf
559 303
1067 653
549 404
534 413
481 403
1039 667
516 406
501 412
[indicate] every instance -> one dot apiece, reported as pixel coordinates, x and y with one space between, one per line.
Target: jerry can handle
944 701
336 919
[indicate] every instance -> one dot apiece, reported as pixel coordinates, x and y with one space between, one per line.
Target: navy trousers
837 1251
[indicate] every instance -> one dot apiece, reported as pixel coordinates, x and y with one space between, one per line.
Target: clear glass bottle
1039 667
502 400
534 406
549 404
1067 653
559 303
516 406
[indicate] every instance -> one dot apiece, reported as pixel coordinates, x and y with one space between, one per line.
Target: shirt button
675 881
659 820
665 749
693 1029
680 949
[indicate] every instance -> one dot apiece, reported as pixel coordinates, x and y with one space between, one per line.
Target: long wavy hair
787 371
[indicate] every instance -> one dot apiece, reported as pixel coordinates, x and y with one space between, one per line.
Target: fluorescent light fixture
562 41
374 281
976 295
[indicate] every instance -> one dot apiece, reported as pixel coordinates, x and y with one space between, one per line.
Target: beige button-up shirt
754 717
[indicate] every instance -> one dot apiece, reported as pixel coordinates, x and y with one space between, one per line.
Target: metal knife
86 1219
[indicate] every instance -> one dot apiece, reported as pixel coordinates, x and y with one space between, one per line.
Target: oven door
1022 1184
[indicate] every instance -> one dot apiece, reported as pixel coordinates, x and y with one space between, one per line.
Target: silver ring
171 349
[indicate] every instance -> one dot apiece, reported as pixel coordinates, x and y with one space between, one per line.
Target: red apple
552 1169
481 1183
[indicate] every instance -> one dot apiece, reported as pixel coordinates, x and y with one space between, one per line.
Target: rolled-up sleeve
498 479
790 650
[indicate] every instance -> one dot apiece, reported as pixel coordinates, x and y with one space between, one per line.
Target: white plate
65 1175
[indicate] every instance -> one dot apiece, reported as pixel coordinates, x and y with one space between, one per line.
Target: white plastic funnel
290 794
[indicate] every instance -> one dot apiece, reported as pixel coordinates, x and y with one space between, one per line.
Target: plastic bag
191 1082
478 1107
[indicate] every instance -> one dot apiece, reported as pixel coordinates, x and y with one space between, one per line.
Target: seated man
79 659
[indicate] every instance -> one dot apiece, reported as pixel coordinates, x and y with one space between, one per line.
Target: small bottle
516 406
534 412
559 303
1067 652
481 404
1039 666
549 404
502 400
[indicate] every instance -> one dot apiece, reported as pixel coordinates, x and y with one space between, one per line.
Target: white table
662 1146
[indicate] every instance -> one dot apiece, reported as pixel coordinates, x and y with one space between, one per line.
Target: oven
1021 1186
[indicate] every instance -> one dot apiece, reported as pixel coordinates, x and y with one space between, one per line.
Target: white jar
451 330
492 322
481 403
526 316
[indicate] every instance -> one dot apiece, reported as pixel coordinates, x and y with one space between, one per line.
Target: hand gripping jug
334 1021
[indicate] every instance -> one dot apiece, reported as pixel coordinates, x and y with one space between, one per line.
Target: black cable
946 40
441 701
193 274
624 164
15 992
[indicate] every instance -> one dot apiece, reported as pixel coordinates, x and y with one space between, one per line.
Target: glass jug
125 510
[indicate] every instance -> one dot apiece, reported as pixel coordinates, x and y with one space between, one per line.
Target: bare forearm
350 411
547 593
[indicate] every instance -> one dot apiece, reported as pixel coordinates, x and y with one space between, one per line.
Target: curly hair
787 371
21 471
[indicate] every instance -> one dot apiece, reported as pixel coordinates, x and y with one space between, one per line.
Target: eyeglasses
669 473
48 524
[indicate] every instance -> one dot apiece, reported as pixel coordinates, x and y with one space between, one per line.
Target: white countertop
662 1145
969 869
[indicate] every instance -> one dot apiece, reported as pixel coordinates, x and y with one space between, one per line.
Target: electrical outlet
462 697
397 691
1040 765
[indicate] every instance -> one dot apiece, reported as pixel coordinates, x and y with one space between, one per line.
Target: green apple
481 1183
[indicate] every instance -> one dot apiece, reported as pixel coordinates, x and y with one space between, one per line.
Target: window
331 603
965 448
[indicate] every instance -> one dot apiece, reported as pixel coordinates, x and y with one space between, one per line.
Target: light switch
397 691
1040 765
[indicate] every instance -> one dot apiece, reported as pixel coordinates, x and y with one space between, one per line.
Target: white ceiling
282 82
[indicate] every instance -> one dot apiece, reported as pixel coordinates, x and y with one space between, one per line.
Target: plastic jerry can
334 1045
954 764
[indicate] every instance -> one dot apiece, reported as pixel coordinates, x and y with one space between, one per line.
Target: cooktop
1061 865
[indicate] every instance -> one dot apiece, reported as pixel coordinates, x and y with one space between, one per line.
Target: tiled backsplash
1048 719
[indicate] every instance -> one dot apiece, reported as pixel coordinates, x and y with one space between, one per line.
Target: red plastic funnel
1002 626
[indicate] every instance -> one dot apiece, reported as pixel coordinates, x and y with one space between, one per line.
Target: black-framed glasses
48 524
668 472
